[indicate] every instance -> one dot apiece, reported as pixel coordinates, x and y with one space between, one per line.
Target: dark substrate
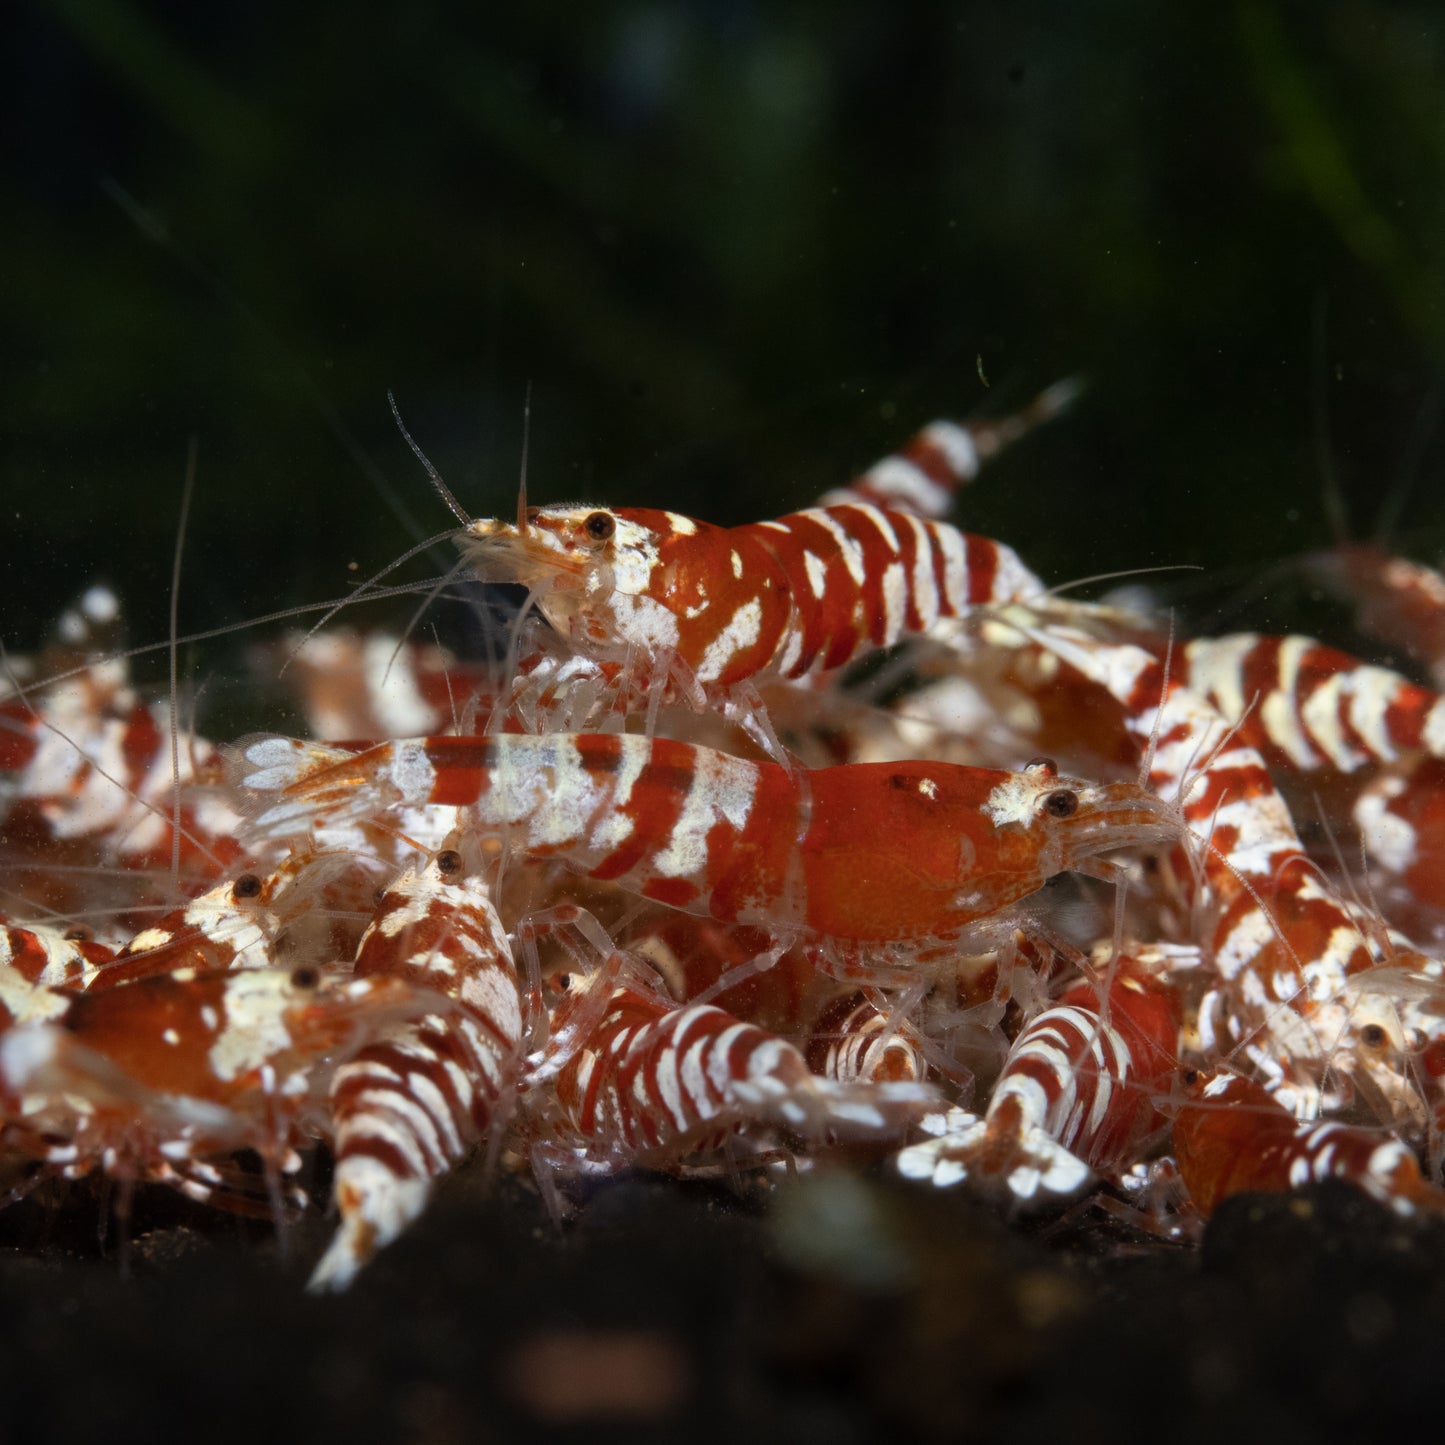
847 1309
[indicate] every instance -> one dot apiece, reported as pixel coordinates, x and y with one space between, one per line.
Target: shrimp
897 855
1076 1095
1314 707
412 1103
844 1034
1232 1137
1286 951
660 607
243 921
925 474
1401 818
150 1080
653 1079
806 593
682 610
36 958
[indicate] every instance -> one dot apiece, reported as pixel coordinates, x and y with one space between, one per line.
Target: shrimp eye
1189 1078
1062 804
78 933
600 526
306 976
248 885
1047 766
1372 1035
449 861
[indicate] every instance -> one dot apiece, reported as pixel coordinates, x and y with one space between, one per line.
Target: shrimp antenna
431 471
187 491
369 589
1060 588
526 448
372 594
438 588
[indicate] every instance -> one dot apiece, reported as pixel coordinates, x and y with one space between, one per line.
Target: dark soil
846 1309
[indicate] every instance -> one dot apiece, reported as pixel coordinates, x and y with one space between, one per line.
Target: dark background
738 251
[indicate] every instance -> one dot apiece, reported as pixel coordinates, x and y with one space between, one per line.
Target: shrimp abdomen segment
732 598
862 577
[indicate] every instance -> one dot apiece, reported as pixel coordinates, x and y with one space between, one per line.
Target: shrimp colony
831 841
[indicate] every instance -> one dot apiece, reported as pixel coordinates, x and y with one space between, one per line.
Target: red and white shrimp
891 856
1400 815
836 947
805 593
1310 707
39 957
924 475
417 1098
150 1081
1285 949
844 1034
87 759
1076 1095
1231 1136
652 1081
91 790
353 684
857 1039
683 610
251 919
